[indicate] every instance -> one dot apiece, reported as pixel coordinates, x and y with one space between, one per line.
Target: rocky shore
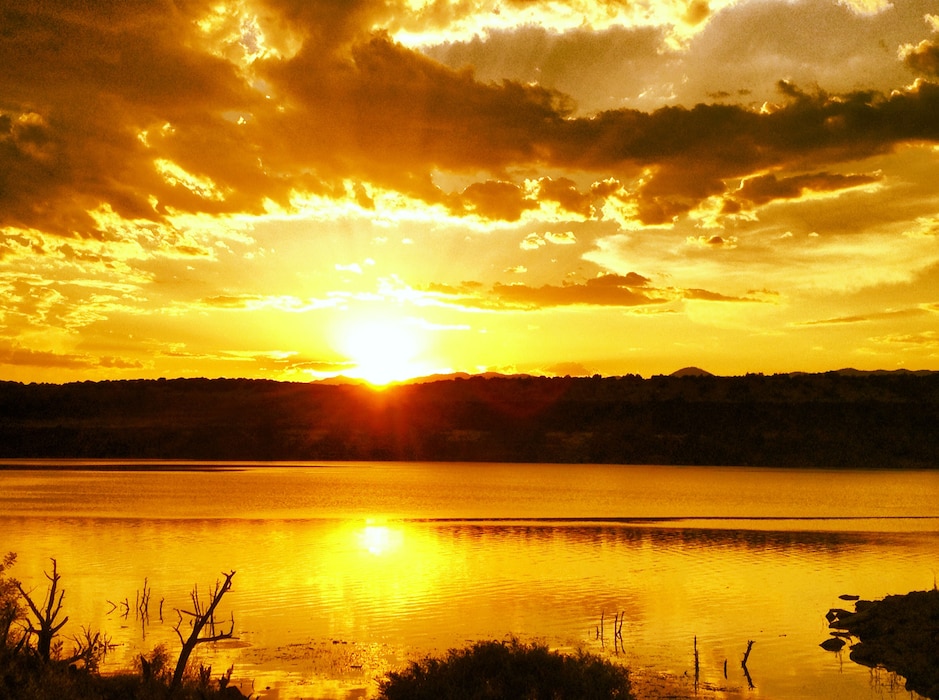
899 633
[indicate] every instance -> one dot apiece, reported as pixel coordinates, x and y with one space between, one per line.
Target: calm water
345 571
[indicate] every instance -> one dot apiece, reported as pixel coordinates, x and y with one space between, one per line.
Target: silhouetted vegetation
200 618
508 671
35 666
822 420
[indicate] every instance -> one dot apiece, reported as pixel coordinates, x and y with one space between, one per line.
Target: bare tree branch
200 618
46 619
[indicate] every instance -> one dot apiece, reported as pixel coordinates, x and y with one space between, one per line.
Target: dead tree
618 633
47 628
89 650
743 664
201 616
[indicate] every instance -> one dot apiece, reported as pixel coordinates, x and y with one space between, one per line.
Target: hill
821 420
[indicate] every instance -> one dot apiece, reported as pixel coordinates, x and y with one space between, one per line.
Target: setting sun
382 350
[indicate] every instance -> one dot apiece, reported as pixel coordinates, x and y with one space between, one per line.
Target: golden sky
293 190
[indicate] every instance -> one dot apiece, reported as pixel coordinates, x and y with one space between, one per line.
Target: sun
382 349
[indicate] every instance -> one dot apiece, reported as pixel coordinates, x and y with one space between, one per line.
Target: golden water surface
345 571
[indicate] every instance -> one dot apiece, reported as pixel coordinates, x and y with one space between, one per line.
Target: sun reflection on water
380 539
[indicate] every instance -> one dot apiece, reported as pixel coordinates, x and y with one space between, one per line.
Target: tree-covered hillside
825 420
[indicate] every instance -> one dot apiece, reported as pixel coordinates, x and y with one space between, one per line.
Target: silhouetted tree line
826 420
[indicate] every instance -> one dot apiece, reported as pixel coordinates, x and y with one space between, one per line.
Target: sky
297 190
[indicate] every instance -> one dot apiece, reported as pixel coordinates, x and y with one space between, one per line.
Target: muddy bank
900 633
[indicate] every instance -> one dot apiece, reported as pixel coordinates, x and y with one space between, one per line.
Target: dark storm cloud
103 93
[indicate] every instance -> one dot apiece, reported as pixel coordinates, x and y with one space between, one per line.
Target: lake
347 570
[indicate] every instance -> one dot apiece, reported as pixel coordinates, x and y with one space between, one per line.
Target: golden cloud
138 111
922 58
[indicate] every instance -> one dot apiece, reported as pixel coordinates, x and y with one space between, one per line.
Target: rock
900 633
836 614
832 644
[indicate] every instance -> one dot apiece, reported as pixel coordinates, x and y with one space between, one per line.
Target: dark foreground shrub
508 671
25 676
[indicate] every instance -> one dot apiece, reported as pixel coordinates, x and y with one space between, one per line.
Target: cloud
254 302
867 7
766 188
869 317
569 369
497 200
152 114
88 80
925 339
565 238
705 295
118 363
564 192
532 242
579 61
607 290
690 153
610 290
713 241
13 354
922 58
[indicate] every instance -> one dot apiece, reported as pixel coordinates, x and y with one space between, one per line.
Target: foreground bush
24 677
508 671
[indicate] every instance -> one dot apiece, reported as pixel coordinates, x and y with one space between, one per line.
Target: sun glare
382 350
380 540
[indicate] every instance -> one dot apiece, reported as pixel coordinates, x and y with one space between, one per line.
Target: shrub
11 609
510 670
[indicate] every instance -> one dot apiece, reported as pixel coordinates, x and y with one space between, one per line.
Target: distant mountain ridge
691 372
835 419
